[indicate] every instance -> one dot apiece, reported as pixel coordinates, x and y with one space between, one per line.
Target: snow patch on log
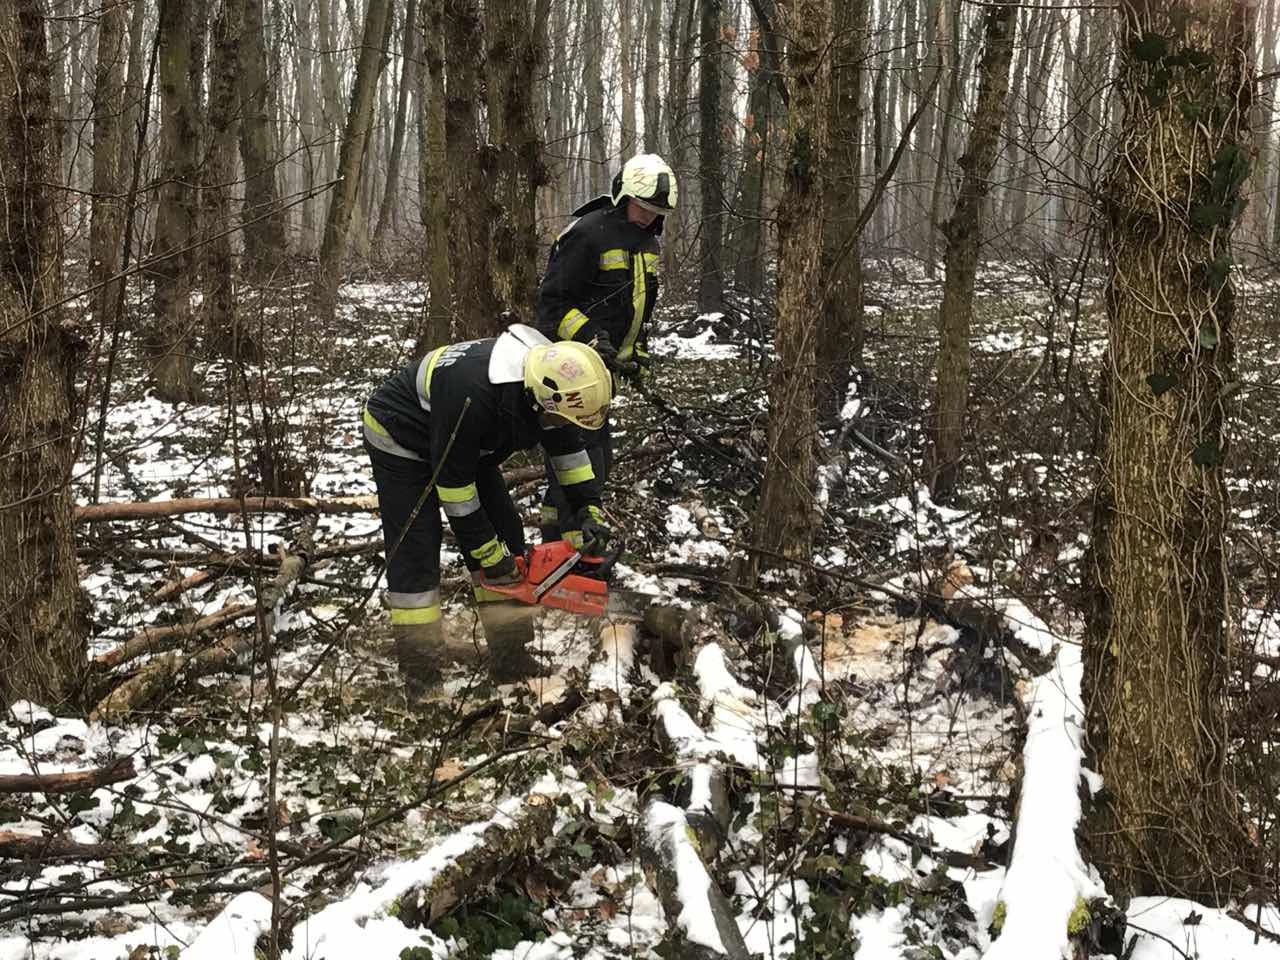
1046 875
234 932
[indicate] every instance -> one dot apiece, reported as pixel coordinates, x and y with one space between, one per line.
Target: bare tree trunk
710 161
626 67
597 139
408 75
169 341
839 344
963 233
310 125
785 516
264 239
331 100
680 37
351 164
222 334
42 633
472 205
946 122
652 107
438 309
748 240
515 59
107 220
1157 647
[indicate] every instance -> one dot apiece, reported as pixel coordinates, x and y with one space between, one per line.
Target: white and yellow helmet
648 180
569 380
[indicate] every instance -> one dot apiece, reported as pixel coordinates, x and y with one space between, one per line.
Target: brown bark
436 218
593 81
1157 654
264 236
355 138
154 639
627 75
169 343
784 516
515 57
839 346
70 782
107 224
408 75
652 105
97 512
710 160
748 240
472 206
963 232
223 334
42 647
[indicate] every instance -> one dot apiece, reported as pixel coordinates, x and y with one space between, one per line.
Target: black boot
508 629
420 654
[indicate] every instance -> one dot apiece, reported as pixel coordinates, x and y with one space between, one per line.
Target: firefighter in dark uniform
465 408
600 288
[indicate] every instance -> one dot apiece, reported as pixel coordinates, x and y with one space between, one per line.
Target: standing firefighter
457 415
600 288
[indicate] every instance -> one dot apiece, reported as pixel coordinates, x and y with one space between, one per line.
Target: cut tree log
156 639
500 845
69 782
702 919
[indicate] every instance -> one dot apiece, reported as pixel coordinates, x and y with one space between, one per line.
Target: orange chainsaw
560 575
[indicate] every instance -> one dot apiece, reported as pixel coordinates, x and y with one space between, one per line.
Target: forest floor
846 746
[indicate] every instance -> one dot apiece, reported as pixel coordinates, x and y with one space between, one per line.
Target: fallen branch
70 782
37 847
155 639
167 670
149 510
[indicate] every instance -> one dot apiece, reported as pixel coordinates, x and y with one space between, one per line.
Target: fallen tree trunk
702 919
36 847
156 639
500 844
70 782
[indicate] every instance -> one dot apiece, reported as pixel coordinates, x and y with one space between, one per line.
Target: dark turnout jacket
601 281
422 413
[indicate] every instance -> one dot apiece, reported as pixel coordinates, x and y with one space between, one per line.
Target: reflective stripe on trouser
421 607
599 448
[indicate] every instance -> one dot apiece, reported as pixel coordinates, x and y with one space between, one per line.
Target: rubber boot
549 524
420 654
508 630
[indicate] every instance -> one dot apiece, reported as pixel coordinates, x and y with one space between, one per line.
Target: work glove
608 352
503 573
640 364
590 532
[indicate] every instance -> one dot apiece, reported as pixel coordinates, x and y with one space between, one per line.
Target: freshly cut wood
69 782
156 639
23 846
499 846
172 588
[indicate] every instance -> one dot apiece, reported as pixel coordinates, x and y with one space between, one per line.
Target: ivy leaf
583 850
1150 48
1206 454
1206 216
1216 271
1161 382
1208 338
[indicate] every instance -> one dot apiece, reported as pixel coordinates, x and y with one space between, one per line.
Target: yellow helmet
569 380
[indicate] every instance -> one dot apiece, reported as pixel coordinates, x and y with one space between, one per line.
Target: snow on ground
899 703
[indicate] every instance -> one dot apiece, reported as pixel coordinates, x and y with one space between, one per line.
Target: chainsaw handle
608 561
